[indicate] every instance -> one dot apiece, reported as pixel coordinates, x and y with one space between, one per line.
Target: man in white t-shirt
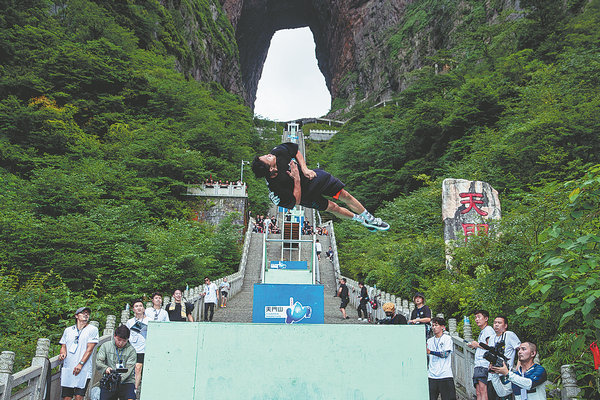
267 224
77 345
211 297
480 372
439 348
511 343
156 313
318 249
138 328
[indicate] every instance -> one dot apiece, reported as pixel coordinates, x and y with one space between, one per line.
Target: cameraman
525 382
508 342
118 354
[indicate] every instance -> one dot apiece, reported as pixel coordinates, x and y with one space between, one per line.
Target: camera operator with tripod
116 360
505 343
525 382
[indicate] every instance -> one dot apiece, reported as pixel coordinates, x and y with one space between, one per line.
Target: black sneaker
376 224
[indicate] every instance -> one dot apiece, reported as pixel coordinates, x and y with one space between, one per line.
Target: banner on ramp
288 303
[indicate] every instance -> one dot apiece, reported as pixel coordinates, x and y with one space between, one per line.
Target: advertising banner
289 265
288 303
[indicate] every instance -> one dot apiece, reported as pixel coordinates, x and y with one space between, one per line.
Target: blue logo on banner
288 303
288 265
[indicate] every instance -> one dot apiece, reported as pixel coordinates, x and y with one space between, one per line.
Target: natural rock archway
348 36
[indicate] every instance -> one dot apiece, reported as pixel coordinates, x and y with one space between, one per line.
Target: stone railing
217 190
39 376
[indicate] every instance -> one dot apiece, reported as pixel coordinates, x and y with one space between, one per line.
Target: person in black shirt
290 183
363 297
178 309
344 296
391 318
421 314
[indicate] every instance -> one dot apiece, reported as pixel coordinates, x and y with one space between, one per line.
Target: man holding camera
525 382
118 357
480 372
503 340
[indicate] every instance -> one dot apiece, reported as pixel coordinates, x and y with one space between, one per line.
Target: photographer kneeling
116 360
525 382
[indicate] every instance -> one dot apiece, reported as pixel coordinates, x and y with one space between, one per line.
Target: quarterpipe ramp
278 361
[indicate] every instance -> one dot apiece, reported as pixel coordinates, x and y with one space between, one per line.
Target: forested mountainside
515 103
107 110
101 127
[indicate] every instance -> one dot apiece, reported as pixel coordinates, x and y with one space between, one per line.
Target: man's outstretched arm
309 173
295 174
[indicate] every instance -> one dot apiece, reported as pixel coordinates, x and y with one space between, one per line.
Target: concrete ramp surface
270 361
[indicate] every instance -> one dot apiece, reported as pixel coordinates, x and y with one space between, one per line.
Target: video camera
495 355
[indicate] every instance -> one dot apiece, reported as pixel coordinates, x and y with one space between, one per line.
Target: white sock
366 215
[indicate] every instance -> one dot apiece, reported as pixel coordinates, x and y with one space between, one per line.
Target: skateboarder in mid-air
290 183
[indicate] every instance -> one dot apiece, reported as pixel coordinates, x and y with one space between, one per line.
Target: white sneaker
365 320
360 319
376 224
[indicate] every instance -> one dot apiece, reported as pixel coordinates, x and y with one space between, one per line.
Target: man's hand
309 173
77 369
62 355
503 370
428 351
108 370
474 344
293 172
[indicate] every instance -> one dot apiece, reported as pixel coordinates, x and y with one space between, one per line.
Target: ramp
270 361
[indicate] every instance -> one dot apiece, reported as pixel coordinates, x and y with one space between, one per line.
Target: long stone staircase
239 307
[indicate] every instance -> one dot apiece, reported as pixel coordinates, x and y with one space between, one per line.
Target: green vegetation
102 127
99 135
517 106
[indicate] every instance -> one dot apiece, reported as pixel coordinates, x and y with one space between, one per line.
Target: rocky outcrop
348 34
365 48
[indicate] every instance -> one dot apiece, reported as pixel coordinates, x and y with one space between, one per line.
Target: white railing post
41 360
111 321
569 390
7 362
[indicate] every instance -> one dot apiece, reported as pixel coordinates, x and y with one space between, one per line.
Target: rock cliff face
347 35
364 48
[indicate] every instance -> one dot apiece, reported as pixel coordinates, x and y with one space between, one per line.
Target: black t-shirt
344 293
364 295
423 312
282 186
175 314
397 319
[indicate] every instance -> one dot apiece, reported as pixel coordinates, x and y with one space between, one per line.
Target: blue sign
288 303
303 265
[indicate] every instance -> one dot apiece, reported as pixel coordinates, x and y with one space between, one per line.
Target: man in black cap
77 345
291 183
421 314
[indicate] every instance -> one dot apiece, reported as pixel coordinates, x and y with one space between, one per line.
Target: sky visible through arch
291 85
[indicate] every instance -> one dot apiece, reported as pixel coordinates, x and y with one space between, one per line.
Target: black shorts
140 358
480 374
223 293
344 303
72 392
324 184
